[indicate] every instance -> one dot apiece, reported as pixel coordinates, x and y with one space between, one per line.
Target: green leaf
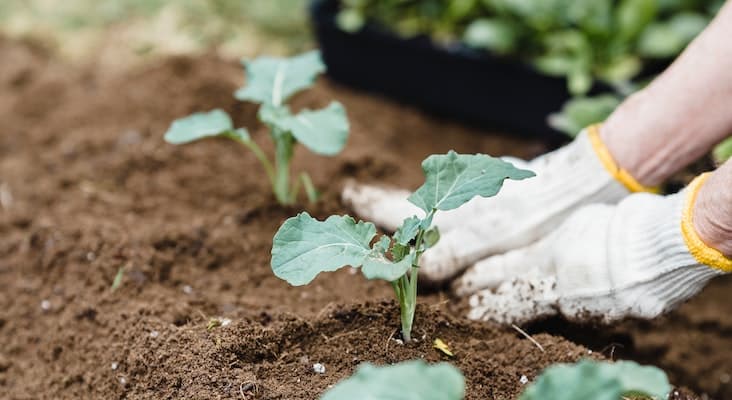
688 25
598 381
273 80
431 237
723 151
376 266
492 34
303 247
410 380
382 245
580 112
350 20
200 125
453 179
408 231
323 131
633 16
659 40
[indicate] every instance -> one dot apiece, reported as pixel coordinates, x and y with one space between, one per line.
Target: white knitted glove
580 173
639 258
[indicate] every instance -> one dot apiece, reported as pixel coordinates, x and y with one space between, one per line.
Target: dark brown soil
88 188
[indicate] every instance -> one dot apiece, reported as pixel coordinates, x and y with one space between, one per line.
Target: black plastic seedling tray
458 83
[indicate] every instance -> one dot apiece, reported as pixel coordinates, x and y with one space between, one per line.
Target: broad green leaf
408 231
453 179
410 380
580 112
660 40
688 25
621 69
492 34
723 151
199 126
323 131
376 266
598 381
273 80
633 16
303 247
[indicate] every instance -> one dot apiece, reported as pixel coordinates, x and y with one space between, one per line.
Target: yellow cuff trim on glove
621 175
701 252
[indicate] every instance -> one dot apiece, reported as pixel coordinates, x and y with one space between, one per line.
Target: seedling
271 82
403 381
599 381
303 247
596 380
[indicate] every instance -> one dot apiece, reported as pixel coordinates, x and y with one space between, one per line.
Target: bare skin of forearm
713 210
682 114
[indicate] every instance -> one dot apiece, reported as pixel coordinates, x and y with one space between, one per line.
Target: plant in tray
303 247
271 82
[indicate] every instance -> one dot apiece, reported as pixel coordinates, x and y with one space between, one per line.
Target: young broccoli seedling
404 381
599 381
303 247
270 83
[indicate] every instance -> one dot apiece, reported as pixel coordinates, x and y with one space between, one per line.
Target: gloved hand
639 258
580 173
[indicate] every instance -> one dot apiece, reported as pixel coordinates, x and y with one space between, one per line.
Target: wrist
606 158
712 211
697 229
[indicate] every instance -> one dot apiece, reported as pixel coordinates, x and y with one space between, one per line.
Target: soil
89 191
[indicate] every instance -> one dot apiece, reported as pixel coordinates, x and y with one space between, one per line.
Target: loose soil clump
89 191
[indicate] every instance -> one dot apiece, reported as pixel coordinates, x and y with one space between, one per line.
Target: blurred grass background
123 32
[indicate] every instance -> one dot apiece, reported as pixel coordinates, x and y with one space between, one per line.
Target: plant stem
262 159
283 154
408 294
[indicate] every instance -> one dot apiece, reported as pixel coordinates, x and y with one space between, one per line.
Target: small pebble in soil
45 305
90 256
524 380
123 381
225 321
187 289
319 368
115 366
724 378
154 334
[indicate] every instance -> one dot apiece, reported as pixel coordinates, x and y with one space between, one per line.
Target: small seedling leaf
303 247
379 267
382 245
199 126
408 231
323 131
440 345
598 381
410 380
272 80
431 237
453 179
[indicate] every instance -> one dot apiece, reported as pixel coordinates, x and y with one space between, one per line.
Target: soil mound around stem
89 192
